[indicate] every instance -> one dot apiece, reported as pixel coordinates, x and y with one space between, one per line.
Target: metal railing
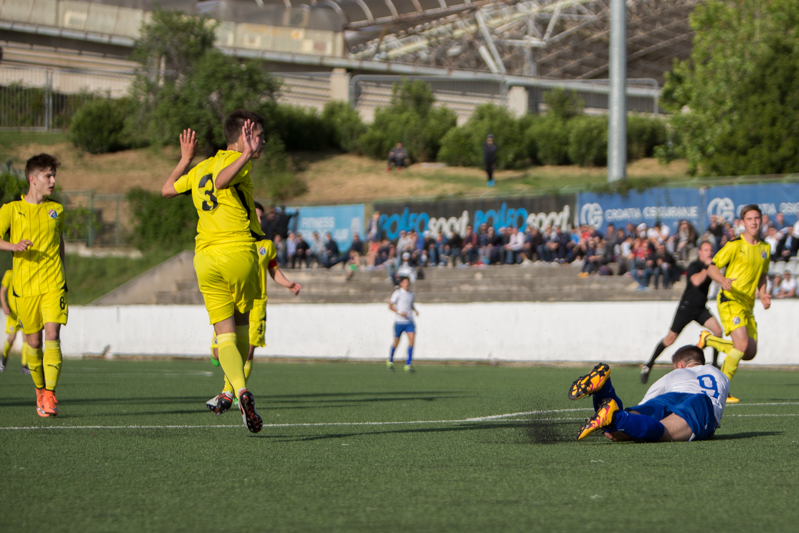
37 98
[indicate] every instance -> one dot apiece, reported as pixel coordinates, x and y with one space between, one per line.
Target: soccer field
352 447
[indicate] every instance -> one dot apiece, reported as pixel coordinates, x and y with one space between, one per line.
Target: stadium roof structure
564 39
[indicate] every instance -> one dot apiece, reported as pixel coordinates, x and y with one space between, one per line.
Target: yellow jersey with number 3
226 216
39 269
746 263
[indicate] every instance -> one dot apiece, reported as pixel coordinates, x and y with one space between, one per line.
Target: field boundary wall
503 332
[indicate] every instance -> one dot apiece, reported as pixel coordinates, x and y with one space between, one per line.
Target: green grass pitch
352 447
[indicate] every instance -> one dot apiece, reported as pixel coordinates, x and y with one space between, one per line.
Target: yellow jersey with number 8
39 269
746 263
226 216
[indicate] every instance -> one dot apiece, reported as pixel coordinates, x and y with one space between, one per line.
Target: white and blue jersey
697 394
403 303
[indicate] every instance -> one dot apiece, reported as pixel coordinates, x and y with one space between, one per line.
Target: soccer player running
401 304
693 307
747 259
9 304
225 259
39 283
684 405
267 263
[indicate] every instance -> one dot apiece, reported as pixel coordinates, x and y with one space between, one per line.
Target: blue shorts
409 327
696 409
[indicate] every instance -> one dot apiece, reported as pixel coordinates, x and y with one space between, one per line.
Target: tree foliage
742 52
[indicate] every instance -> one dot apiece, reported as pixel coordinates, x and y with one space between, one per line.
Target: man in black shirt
693 307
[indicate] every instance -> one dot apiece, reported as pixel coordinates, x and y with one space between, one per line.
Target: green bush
160 223
12 183
99 126
412 120
78 222
464 145
300 128
588 141
273 174
643 135
550 138
344 125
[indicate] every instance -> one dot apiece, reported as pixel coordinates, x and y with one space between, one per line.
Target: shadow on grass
746 435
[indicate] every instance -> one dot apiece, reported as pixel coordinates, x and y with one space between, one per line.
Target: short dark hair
689 354
258 205
751 207
39 163
235 121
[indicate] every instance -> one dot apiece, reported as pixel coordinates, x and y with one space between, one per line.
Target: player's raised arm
188 149
249 143
279 278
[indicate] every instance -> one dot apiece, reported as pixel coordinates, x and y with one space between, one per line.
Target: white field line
491 418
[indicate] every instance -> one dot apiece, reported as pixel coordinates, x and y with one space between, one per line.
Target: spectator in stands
405 269
291 250
317 248
642 264
442 249
490 159
783 232
469 251
664 266
397 156
404 243
268 223
794 245
429 255
592 258
514 247
282 220
623 253
765 225
787 287
773 241
302 252
330 255
531 243
686 239
630 230
280 250
727 235
383 252
716 228
455 245
352 254
494 246
545 250
773 285
373 232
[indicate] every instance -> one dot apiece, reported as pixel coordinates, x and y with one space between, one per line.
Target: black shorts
685 315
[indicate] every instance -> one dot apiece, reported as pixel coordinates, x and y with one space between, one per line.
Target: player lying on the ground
13 325
257 329
693 307
684 405
747 259
35 224
402 305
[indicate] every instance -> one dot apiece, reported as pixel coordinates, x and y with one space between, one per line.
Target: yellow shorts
228 279
12 325
36 311
258 324
735 315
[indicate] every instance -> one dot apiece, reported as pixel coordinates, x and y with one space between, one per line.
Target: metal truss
565 39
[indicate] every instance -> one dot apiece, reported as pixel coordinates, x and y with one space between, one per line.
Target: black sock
658 350
715 357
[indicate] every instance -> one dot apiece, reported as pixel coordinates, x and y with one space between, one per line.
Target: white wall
606 331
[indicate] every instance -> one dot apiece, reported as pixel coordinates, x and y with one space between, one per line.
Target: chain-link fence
96 219
44 99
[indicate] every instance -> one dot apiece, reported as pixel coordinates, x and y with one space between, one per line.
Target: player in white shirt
684 405
401 304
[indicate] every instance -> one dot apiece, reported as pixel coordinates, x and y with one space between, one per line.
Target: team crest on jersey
736 320
261 250
763 254
52 213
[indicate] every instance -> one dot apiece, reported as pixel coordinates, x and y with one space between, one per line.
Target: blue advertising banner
667 206
340 220
772 198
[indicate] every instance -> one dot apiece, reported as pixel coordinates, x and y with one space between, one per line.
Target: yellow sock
231 362
24 353
247 370
52 364
730 364
6 349
35 366
719 344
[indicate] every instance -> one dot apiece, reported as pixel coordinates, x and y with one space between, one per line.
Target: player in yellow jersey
13 325
36 224
225 256
267 263
746 258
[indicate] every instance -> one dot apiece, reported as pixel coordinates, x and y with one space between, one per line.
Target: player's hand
417 312
22 245
727 283
765 298
295 288
251 144
404 315
188 145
